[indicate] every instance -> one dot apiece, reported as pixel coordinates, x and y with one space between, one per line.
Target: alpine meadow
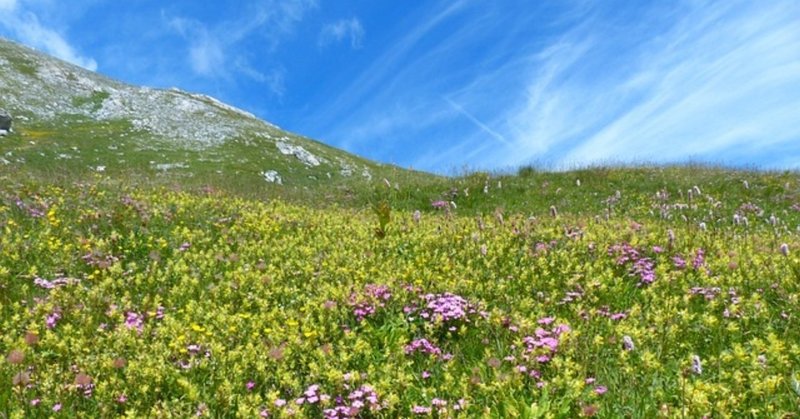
163 254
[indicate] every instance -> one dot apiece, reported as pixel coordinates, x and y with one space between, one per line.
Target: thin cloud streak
26 26
373 79
343 29
483 127
212 47
723 77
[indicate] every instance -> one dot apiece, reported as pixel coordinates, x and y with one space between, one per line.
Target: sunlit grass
654 302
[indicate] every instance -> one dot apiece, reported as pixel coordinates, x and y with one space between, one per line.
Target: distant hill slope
69 122
72 125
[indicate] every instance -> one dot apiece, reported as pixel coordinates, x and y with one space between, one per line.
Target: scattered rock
301 153
169 166
272 176
5 122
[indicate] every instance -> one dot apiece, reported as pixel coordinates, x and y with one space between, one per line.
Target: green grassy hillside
70 123
148 269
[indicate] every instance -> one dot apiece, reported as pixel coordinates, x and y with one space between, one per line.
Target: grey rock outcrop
5 122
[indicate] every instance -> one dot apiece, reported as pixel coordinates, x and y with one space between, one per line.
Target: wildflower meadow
137 302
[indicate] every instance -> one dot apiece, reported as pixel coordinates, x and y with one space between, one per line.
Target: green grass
272 287
94 101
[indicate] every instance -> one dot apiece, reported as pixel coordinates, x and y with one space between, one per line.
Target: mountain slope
69 122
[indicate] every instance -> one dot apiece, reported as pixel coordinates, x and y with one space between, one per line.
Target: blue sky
454 84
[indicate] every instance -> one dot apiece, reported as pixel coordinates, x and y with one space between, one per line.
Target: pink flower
546 320
562 328
250 385
280 402
57 407
600 390
421 410
618 316
52 319
549 342
134 320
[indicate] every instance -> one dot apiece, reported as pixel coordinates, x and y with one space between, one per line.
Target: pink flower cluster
52 319
440 405
48 285
424 346
446 308
134 320
374 296
440 204
359 400
640 265
709 293
538 349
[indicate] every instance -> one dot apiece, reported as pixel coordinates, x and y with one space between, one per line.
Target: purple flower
627 343
52 319
422 345
639 265
250 385
679 262
421 410
365 304
600 390
561 329
699 259
134 320
447 308
57 407
618 316
546 320
697 366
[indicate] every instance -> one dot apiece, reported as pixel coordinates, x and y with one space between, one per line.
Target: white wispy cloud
723 77
214 50
8 5
26 26
711 80
378 104
350 29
